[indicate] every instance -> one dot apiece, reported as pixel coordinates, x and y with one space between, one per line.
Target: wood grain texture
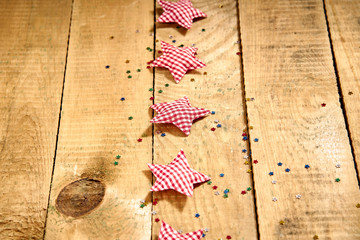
95 126
208 152
33 43
289 71
344 24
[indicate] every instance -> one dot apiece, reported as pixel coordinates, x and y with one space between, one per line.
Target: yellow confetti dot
247 99
249 171
156 40
193 80
246 163
220 6
315 237
205 73
282 222
358 205
127 61
251 127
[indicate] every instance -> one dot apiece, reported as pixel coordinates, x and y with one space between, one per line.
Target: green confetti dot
148 48
226 196
209 182
116 163
118 157
203 30
129 76
130 118
142 205
138 70
160 91
248 189
166 85
128 71
182 45
337 179
151 89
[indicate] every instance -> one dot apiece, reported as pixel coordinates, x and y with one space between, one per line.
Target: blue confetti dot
245 138
226 191
221 174
287 170
271 173
122 99
197 215
174 41
163 134
107 66
219 125
307 166
212 112
244 150
256 140
280 164
203 235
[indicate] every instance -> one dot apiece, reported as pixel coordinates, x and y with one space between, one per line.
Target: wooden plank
95 126
33 37
288 69
208 152
344 24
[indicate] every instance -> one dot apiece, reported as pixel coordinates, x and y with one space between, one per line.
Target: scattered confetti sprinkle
256 161
222 175
216 121
238 53
218 126
220 6
246 157
138 70
256 140
248 189
323 104
274 199
163 134
153 212
298 196
166 85
307 166
203 235
251 127
245 138
130 118
315 237
228 237
203 30
118 157
338 165
214 187
213 129
142 205
192 79
151 89
217 193
212 112
151 98
337 179
244 150
287 170
226 191
139 140
209 182
273 181
205 73
271 173
129 76
111 37
160 91
116 163
197 215
249 171
128 71
280 164
127 61
122 99
107 66
206 230
246 162
226 196
157 220
243 192
282 222
358 205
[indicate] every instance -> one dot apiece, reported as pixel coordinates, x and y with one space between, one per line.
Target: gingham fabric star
168 233
177 176
180 113
181 12
178 60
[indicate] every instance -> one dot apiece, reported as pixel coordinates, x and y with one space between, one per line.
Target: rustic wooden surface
209 152
33 37
344 24
288 69
95 127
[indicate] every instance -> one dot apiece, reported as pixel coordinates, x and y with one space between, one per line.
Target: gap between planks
341 95
59 121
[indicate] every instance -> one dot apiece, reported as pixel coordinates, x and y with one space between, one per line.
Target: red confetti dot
238 53
139 140
157 220
228 237
256 161
214 187
243 192
148 67
151 98
213 129
160 52
323 104
150 62
154 203
244 134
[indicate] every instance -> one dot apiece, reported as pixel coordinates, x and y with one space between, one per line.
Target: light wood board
289 71
208 152
344 24
95 126
33 43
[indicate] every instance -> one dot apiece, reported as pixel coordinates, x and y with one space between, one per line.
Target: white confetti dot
274 199
273 181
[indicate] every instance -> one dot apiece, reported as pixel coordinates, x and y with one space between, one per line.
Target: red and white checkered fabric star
180 113
178 60
168 233
181 12
177 176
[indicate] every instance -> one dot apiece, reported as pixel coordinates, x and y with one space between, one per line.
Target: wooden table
285 72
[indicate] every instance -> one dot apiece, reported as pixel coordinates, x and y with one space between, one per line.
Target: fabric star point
180 113
169 233
177 176
178 60
181 12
